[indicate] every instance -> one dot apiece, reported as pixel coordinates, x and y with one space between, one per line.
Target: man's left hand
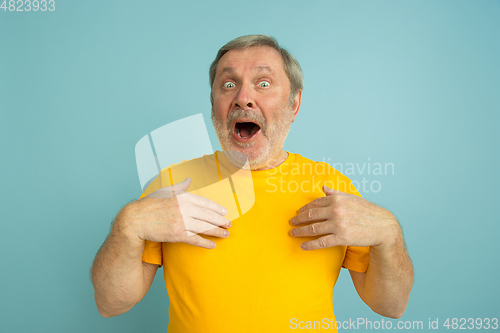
346 220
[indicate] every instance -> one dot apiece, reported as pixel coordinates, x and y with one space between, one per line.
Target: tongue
244 132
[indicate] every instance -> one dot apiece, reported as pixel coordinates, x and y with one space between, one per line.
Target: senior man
281 261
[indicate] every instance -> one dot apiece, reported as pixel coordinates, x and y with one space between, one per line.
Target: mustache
251 115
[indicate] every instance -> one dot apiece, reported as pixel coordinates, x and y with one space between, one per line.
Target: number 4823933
28 5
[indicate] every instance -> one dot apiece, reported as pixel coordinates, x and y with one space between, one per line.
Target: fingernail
229 224
292 232
226 233
302 246
291 221
224 211
213 245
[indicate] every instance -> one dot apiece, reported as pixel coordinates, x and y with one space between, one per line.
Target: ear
296 104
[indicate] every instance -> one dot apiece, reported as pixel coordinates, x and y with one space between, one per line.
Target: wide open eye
229 84
264 84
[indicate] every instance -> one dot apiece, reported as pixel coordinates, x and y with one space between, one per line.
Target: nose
244 99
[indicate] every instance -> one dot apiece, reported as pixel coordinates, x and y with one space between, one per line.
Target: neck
275 161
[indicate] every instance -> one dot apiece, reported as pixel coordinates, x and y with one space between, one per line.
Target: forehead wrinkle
259 68
227 70
264 69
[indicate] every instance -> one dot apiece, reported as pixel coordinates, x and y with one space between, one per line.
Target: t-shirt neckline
284 166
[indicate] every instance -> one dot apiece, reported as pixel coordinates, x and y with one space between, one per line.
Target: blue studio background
410 84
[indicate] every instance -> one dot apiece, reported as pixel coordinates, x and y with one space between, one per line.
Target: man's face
251 111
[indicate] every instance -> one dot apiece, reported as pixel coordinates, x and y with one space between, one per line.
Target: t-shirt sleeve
356 258
152 252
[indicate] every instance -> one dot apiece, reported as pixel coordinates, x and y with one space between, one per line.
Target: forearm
118 272
389 278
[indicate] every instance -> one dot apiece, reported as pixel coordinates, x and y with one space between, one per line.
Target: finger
329 191
207 215
199 241
217 232
208 230
319 202
198 227
320 243
314 229
200 201
310 215
182 186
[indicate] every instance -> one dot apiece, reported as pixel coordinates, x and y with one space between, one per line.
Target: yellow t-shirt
258 279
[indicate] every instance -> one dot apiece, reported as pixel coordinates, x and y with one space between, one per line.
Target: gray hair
290 64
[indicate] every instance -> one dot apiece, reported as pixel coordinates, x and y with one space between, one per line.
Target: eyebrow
262 68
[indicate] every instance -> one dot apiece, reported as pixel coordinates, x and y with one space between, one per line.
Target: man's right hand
120 277
171 214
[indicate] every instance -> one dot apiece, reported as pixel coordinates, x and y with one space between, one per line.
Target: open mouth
245 130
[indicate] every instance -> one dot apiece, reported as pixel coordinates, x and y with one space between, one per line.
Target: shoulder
332 177
316 167
177 172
